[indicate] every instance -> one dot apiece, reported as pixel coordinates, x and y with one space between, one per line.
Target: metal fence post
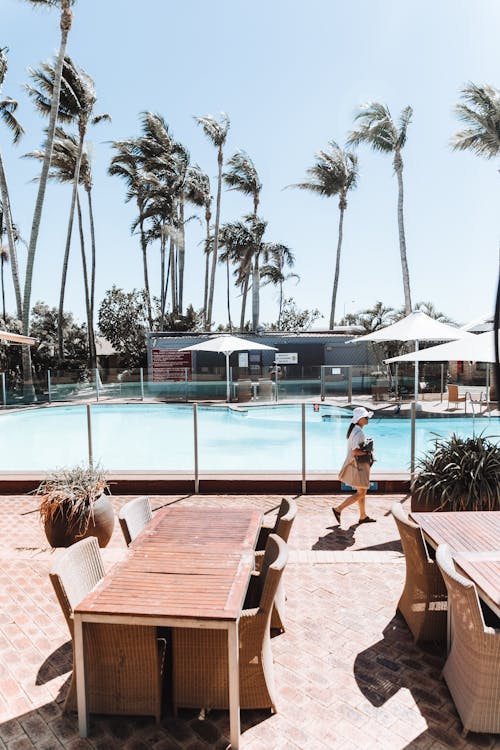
304 483
4 391
97 383
186 384
49 386
349 384
442 382
322 392
412 449
141 375
89 436
195 435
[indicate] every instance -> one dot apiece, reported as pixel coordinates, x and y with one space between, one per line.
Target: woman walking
356 468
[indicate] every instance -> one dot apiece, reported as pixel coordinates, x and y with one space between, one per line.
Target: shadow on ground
394 663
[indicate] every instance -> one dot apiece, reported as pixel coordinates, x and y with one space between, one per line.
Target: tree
7 108
378 316
197 191
65 153
126 164
378 130
273 272
334 173
76 103
480 111
294 319
123 321
429 308
242 176
244 245
66 20
216 132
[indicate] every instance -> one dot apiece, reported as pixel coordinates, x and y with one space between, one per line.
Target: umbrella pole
227 376
416 371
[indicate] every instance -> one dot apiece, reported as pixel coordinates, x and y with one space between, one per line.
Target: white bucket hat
359 412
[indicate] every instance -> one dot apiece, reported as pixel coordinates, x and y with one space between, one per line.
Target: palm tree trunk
91 356
163 298
182 253
3 295
216 242
398 166
255 294
4 192
65 25
337 265
244 295
173 279
92 277
76 179
207 268
144 248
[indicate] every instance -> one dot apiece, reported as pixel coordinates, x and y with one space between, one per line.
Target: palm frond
215 130
7 108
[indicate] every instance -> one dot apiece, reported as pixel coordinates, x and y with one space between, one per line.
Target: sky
291 76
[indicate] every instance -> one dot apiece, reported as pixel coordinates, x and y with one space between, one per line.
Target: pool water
160 437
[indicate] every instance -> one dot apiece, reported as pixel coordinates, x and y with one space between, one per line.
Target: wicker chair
453 397
134 516
282 527
423 602
200 660
472 669
123 663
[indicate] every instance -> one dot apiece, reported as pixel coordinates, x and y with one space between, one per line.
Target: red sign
169 364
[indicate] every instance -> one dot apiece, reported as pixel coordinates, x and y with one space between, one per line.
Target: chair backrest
134 516
412 540
285 519
275 559
463 599
75 573
452 392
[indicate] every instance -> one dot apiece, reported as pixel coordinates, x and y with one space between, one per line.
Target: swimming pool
159 437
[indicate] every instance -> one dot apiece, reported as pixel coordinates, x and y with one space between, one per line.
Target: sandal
336 513
367 519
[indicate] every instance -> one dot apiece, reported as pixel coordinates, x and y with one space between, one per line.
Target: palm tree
4 258
378 129
66 153
480 111
334 173
197 192
66 20
217 134
378 316
273 272
127 165
430 309
243 176
76 104
7 108
244 245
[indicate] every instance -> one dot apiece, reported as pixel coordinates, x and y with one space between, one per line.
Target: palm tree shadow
396 662
337 540
56 664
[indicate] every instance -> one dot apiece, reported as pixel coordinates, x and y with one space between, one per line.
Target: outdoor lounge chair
472 669
282 527
134 516
265 389
453 396
123 663
200 659
423 601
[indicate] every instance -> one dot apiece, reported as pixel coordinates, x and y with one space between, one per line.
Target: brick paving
347 671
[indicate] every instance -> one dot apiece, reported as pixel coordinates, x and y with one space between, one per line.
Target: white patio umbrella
16 338
226 344
417 326
472 348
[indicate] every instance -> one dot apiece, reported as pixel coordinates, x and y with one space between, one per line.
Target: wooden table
474 540
190 567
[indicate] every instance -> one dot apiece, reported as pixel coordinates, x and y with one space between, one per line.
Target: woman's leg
359 497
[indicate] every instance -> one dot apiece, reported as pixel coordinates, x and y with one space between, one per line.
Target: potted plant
458 474
73 506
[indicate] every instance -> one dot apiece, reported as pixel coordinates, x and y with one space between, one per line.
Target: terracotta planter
100 525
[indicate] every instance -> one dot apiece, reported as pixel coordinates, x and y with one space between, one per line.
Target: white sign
243 359
286 358
336 371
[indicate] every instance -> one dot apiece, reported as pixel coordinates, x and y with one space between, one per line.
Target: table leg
234 685
80 676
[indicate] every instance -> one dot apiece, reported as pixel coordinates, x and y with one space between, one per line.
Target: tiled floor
347 671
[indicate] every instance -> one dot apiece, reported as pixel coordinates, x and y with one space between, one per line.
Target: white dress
355 473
